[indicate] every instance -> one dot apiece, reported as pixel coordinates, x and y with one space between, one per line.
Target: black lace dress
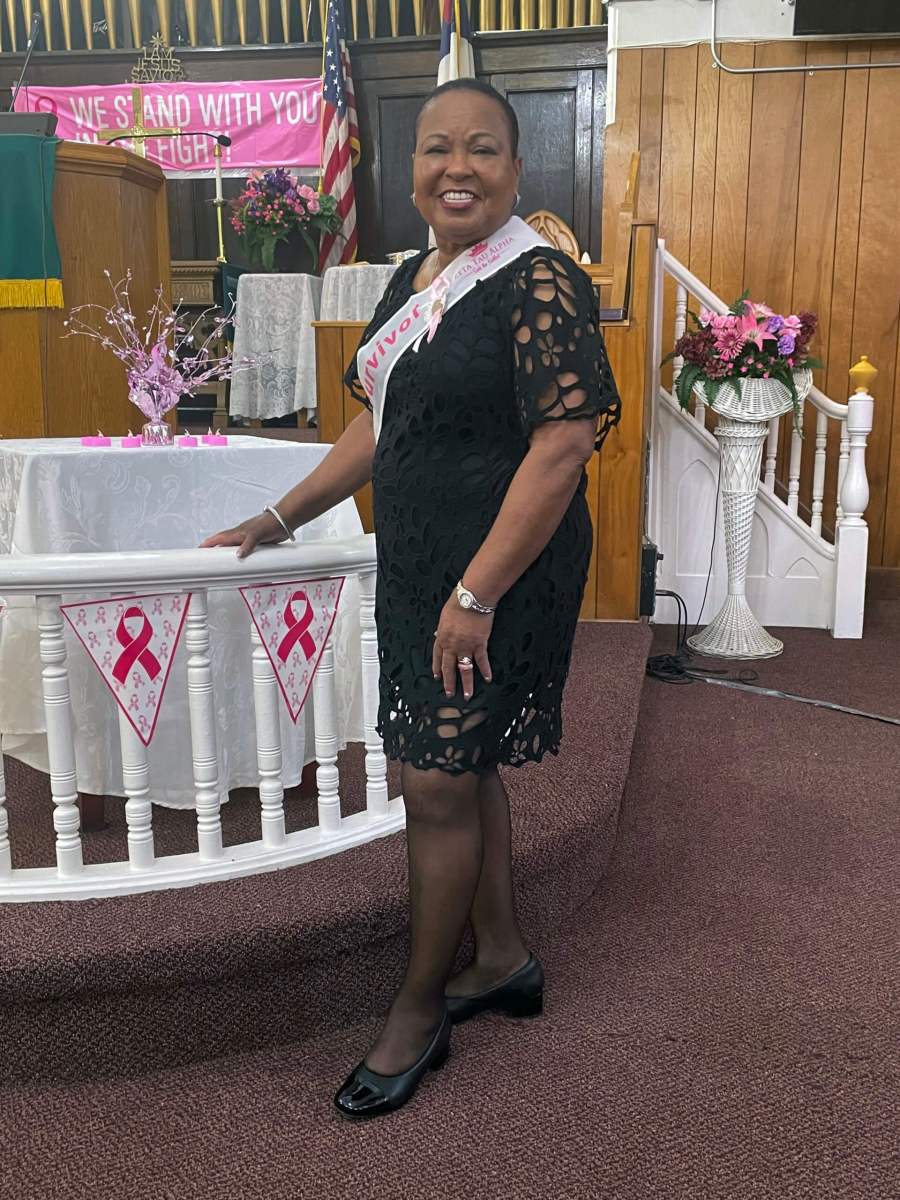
521 348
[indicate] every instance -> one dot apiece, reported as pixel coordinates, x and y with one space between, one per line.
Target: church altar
274 321
58 497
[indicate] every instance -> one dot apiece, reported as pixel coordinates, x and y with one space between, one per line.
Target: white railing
851 496
50 577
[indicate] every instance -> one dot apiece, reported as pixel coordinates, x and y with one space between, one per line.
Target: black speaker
843 18
41 123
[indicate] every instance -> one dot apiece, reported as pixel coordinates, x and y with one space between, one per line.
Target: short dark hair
484 89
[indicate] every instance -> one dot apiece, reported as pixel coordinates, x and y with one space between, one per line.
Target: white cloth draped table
351 293
57 497
273 320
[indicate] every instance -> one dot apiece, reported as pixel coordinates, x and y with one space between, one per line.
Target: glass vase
157 433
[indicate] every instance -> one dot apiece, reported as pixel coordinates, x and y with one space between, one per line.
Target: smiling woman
486 389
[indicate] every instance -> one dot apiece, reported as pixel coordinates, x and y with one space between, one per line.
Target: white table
56 496
273 320
351 293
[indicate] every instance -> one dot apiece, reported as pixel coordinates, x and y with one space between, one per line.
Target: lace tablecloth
56 496
273 320
351 293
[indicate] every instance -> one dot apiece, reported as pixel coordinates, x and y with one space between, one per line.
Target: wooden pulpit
109 210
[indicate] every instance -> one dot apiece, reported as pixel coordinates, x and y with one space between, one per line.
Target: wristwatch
468 601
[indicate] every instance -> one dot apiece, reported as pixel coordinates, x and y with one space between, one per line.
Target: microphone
36 22
222 138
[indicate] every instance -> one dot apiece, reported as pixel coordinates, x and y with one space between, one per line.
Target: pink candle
187 440
214 439
132 442
95 440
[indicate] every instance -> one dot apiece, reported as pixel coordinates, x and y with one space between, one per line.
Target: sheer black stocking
443 832
499 949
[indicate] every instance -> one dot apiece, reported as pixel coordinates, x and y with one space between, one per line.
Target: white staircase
798 575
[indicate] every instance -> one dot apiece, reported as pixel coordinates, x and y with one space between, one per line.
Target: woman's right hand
263 530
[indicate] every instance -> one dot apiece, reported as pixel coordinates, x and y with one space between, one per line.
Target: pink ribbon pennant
294 621
138 650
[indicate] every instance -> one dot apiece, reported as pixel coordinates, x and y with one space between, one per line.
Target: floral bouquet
272 206
164 359
750 341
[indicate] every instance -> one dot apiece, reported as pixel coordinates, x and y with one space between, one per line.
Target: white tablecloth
273 319
56 496
351 293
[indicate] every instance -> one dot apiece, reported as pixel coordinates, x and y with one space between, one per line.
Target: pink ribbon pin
136 649
297 628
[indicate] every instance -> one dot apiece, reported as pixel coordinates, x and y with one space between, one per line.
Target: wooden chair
554 230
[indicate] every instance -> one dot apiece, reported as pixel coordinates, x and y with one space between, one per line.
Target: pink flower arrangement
163 360
272 206
750 341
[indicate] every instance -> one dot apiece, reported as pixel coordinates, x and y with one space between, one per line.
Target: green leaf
737 309
684 384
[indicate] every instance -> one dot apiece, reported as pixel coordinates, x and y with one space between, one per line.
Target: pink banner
294 621
271 122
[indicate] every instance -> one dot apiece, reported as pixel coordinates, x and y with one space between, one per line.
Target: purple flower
775 324
786 344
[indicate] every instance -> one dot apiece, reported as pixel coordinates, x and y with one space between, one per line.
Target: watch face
465 600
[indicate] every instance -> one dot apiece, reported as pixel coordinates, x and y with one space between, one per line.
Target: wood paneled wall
788 185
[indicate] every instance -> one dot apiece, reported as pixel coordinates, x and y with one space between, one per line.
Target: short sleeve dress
522 347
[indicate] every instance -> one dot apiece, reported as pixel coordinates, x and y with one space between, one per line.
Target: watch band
470 602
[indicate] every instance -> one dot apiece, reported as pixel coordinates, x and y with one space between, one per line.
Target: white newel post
266 704
60 743
852 545
138 808
325 714
5 850
202 708
376 761
744 414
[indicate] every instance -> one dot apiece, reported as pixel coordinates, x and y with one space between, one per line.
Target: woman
483 374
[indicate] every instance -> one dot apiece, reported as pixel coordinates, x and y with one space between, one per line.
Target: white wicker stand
744 413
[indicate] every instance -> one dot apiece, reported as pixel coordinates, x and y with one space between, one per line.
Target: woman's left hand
461 645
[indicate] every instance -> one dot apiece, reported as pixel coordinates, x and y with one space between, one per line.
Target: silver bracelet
270 508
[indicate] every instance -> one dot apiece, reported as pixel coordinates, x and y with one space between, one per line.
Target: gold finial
863 375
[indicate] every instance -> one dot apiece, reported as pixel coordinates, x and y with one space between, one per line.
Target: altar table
56 496
351 293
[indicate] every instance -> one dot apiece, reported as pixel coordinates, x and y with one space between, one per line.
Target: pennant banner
132 643
294 621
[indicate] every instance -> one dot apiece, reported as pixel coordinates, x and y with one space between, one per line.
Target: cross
139 132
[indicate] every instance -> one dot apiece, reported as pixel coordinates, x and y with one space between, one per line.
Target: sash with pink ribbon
420 316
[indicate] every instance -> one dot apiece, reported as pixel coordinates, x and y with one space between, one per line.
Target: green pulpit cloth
29 255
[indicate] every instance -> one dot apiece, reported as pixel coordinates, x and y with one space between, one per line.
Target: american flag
340 140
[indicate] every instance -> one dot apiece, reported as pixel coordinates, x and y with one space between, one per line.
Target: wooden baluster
65 16
597 14
419 17
5 849
818 486
267 706
325 712
87 23
60 742
264 22
507 14
47 14
323 17
240 7
394 10
487 10
218 16
771 455
563 14
134 13
793 498
109 14
304 20
851 550
138 808
680 325
202 708
164 16
579 13
376 762
843 459
527 18
11 23
545 14
286 20
193 22
372 16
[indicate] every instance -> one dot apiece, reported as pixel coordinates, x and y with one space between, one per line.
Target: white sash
422 313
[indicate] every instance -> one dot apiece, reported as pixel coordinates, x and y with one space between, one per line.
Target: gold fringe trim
31 293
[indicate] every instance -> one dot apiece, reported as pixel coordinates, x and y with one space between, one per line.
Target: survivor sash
422 313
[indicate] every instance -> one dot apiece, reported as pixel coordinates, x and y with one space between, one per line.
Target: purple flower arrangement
272 206
166 358
750 341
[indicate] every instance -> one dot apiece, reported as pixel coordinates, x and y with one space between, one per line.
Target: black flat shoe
367 1094
521 995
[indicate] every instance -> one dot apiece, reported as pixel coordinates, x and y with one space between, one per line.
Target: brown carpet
723 1016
